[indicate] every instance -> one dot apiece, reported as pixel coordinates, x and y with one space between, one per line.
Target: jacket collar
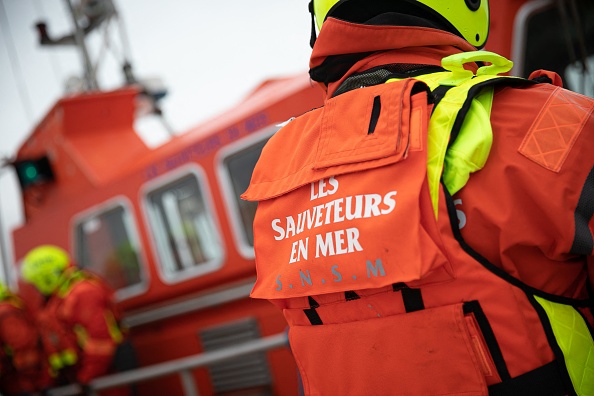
343 48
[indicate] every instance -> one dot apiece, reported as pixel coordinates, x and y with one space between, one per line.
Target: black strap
438 94
577 303
542 80
375 114
543 381
312 39
474 91
591 297
351 295
311 313
583 240
412 298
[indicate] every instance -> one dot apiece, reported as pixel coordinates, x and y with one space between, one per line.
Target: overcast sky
208 54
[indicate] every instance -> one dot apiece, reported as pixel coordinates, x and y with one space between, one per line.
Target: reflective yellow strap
576 343
468 154
114 329
59 360
69 357
81 335
98 346
55 361
432 80
470 150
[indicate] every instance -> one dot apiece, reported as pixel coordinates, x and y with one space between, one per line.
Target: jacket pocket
427 352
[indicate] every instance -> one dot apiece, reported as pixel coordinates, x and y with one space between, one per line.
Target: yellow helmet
43 266
468 18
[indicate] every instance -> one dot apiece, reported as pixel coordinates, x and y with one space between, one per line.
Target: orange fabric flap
336 209
365 125
362 129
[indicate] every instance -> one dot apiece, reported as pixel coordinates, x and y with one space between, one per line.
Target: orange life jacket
81 329
382 297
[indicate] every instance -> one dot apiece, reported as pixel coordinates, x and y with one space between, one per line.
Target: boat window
240 166
105 245
186 237
235 165
560 37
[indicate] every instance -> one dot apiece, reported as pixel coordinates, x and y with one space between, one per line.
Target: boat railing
182 367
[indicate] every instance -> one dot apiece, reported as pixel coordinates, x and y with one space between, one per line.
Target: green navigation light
33 171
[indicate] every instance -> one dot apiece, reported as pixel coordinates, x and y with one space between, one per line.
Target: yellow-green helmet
468 18
43 266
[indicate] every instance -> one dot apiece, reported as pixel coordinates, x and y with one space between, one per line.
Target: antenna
101 17
89 16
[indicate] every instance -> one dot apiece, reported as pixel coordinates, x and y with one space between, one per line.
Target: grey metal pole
178 366
188 383
79 36
3 252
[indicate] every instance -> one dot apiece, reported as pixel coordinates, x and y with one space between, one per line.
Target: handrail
204 301
181 366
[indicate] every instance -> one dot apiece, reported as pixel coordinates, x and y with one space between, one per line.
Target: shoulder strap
460 134
71 278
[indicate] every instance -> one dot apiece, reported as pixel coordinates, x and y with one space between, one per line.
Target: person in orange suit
79 322
429 230
21 358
